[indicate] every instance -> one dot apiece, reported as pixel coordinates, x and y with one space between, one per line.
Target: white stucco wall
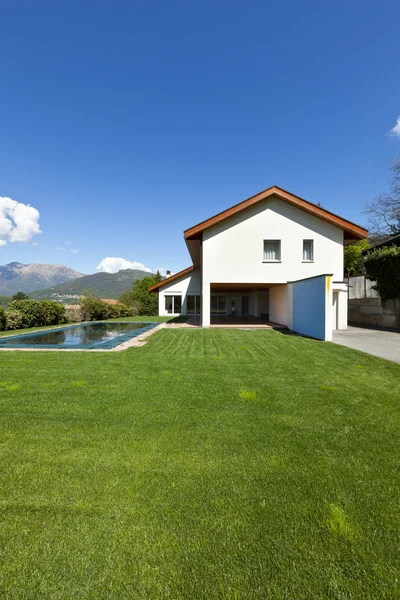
341 289
232 250
188 284
280 305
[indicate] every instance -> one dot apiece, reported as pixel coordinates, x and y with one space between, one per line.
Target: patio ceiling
242 288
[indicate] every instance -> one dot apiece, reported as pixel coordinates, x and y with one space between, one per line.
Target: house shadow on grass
179 319
289 332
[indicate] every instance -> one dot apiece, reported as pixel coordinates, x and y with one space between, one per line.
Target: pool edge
136 341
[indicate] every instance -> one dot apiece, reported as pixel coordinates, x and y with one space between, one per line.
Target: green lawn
208 464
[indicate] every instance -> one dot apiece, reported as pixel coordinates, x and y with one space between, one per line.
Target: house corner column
255 311
205 305
342 310
328 308
160 304
289 303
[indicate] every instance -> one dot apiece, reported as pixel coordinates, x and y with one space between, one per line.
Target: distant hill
17 277
103 285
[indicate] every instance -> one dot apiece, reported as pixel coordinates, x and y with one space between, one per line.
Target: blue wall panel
309 307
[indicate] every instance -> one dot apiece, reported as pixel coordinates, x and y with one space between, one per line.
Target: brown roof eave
155 287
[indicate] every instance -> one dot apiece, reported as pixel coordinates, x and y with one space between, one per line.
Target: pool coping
125 340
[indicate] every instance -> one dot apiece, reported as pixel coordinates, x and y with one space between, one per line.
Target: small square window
272 250
308 250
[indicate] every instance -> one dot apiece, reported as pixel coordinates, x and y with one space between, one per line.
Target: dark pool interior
88 335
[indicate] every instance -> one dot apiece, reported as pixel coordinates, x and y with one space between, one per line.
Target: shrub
53 313
2 319
31 312
119 310
383 267
93 309
74 313
113 311
13 319
36 313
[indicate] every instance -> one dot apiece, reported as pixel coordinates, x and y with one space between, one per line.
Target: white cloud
113 265
396 129
68 242
18 222
60 249
74 251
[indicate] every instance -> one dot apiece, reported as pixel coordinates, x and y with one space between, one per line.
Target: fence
361 287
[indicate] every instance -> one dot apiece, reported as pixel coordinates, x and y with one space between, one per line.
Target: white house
274 256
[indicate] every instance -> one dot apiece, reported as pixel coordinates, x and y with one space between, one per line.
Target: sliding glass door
218 305
173 305
245 305
193 305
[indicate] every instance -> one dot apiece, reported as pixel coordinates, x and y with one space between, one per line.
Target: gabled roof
352 231
155 287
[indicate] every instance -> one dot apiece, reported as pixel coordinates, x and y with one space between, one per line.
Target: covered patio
234 321
244 305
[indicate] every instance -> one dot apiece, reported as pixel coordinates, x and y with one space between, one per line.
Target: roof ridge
284 195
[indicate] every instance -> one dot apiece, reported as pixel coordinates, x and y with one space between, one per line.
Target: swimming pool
86 336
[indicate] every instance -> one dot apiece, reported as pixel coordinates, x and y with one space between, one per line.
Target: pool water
86 336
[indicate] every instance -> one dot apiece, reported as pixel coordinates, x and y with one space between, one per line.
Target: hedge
382 266
36 313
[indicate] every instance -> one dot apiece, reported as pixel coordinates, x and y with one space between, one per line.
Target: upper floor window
272 250
308 250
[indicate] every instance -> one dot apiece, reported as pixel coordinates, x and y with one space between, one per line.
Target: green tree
147 301
2 319
353 257
5 301
93 309
20 296
127 298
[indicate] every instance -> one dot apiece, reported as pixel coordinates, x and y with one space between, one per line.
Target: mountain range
17 277
102 285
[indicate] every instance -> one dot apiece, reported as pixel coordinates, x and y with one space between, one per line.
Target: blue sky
124 123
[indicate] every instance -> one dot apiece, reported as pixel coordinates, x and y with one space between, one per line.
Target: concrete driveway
385 344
